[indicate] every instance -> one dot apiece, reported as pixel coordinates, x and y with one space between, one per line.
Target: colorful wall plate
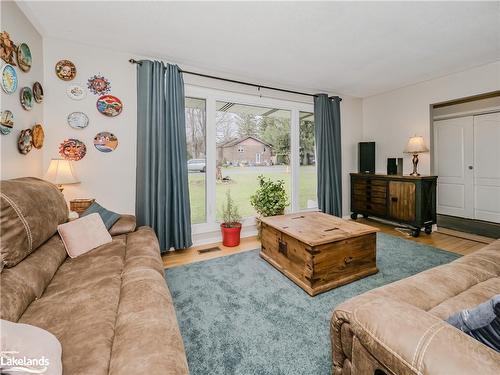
6 122
38 92
72 149
66 70
99 85
38 136
105 142
26 97
76 92
24 59
25 141
78 120
7 48
109 105
9 79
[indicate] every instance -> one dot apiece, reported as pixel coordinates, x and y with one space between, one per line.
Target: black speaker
366 157
395 166
392 166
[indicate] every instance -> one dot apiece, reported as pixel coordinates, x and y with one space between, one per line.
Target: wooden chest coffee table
317 251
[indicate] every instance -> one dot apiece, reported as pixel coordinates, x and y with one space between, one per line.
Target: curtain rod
132 61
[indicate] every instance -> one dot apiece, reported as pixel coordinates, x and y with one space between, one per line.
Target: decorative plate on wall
24 58
7 48
65 70
78 120
25 141
9 79
72 149
38 136
105 142
109 105
38 92
26 96
6 122
76 92
99 85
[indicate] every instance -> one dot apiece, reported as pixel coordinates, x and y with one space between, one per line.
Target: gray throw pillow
481 322
107 216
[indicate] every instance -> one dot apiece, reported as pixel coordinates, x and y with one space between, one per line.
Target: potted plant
270 199
231 227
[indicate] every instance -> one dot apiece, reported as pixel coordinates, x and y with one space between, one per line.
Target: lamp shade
61 172
416 145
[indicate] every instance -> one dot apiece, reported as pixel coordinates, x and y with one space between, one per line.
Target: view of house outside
250 141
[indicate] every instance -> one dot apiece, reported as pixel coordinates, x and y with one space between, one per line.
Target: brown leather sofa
110 308
400 328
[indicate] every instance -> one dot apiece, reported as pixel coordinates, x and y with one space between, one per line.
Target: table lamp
415 146
61 173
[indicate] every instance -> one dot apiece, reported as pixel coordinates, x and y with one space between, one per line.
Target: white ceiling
356 48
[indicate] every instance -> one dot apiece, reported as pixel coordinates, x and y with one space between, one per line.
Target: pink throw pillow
84 234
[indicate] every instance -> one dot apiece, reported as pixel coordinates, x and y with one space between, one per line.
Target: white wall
110 178
13 163
390 119
351 118
107 177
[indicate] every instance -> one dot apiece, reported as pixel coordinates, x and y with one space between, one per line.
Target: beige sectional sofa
400 328
110 308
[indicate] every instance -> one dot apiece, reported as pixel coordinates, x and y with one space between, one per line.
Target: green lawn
243 184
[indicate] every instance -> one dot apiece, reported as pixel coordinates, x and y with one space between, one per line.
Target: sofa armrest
408 340
125 224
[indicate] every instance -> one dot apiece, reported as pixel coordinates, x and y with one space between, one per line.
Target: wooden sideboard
404 199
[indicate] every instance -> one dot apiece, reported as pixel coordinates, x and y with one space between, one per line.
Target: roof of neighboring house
234 142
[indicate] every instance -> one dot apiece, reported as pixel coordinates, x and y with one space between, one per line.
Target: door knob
471 167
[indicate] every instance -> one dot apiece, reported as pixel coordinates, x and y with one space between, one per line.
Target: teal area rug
238 315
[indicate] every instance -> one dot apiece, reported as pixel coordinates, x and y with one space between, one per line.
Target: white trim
294 160
474 112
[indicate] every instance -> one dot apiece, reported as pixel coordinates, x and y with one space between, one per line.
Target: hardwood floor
200 253
436 239
443 241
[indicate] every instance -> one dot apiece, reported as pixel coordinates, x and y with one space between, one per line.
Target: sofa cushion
26 281
80 305
108 217
27 341
125 224
408 340
84 234
30 211
146 315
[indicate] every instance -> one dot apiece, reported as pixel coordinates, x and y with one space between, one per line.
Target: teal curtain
329 153
162 190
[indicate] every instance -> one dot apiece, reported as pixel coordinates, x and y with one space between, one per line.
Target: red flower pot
231 236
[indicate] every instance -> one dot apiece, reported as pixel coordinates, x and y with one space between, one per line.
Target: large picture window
251 141
233 138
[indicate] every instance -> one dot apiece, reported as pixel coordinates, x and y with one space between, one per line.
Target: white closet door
487 167
453 164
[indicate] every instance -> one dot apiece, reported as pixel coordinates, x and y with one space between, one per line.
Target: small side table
80 205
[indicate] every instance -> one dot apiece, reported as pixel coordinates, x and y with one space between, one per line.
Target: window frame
211 96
